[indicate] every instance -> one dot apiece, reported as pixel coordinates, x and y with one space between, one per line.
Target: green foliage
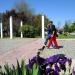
36 22
20 69
14 70
22 6
7 69
28 31
72 27
32 23
46 21
66 27
23 68
69 27
35 69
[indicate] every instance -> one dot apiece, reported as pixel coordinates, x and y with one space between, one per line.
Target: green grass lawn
61 36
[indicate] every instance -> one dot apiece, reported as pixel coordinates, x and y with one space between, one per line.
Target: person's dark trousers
47 38
53 39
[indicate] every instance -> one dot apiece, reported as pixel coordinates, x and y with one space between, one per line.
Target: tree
69 27
30 20
46 20
22 7
72 27
36 21
66 27
28 31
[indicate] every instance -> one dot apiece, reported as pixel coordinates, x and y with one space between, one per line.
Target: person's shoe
42 48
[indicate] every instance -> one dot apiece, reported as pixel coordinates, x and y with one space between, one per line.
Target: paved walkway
67 47
10 50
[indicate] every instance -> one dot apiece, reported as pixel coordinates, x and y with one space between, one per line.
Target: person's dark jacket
53 28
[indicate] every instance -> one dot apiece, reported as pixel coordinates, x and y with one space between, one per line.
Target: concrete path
19 49
67 47
10 50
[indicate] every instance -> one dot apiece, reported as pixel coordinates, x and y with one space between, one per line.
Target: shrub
28 31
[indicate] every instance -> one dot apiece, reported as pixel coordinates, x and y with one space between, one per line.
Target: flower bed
55 65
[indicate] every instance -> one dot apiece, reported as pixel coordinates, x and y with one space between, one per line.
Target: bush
29 31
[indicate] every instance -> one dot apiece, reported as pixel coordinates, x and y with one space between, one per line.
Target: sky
58 11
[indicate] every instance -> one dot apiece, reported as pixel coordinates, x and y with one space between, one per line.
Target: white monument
21 31
11 28
1 30
43 37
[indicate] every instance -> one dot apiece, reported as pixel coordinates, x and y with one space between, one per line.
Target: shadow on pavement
60 47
